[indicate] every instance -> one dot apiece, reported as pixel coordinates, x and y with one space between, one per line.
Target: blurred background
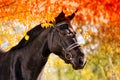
97 23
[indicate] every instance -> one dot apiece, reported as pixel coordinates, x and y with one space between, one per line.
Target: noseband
67 50
68 54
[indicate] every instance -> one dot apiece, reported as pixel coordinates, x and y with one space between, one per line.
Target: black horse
26 60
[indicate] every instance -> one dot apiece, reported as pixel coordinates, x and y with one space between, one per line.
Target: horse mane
33 33
1 51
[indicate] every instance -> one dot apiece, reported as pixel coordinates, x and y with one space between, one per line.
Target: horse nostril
82 54
80 61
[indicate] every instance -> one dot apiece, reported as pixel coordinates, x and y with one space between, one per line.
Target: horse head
62 42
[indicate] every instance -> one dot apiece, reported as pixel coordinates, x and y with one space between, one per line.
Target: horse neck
39 54
34 56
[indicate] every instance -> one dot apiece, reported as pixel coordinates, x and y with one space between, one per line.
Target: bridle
67 50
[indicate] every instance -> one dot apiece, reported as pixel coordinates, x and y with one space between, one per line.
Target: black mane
33 33
1 53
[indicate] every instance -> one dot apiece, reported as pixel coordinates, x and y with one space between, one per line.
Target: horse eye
65 26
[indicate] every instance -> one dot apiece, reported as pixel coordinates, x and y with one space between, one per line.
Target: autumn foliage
19 16
29 13
45 10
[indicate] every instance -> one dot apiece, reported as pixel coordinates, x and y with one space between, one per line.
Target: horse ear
72 16
60 17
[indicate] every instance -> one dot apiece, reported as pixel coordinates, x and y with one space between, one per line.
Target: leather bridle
67 50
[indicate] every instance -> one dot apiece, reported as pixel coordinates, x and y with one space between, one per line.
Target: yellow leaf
27 37
46 25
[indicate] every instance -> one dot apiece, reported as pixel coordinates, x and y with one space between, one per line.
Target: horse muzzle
78 63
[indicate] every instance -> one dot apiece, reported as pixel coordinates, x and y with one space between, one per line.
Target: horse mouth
77 67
